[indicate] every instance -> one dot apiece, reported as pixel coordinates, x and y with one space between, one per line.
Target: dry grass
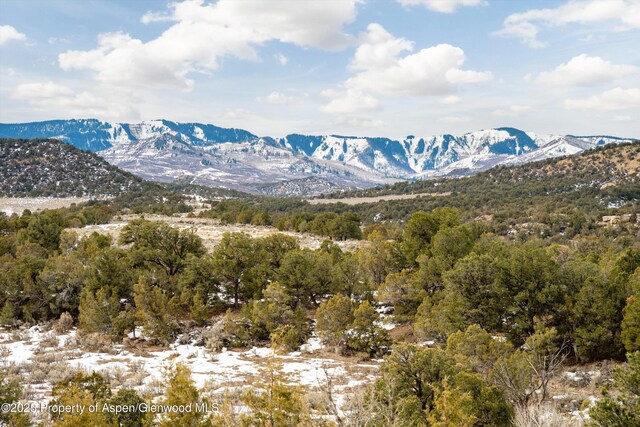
545 415
17 205
212 230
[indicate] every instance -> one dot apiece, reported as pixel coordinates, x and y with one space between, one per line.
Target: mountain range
296 164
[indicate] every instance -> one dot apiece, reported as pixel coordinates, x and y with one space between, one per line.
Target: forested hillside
552 196
607 165
50 168
590 182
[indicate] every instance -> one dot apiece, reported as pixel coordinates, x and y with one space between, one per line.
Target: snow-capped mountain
235 158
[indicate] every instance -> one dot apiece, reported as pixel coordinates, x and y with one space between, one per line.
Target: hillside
46 167
604 166
554 194
594 181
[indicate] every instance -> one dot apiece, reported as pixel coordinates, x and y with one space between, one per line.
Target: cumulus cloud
610 100
202 34
9 33
625 14
381 67
585 70
53 96
443 6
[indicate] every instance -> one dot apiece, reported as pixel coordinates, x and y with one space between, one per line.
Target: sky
351 67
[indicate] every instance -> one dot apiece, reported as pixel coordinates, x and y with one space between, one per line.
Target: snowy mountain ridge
235 158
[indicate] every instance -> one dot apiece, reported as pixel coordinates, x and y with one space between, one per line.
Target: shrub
64 323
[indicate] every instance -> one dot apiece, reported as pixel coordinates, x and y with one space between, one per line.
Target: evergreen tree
596 318
417 235
403 292
275 403
154 311
365 335
181 391
630 333
235 261
377 259
129 398
333 319
63 277
452 408
11 393
620 406
160 244
84 391
45 229
98 311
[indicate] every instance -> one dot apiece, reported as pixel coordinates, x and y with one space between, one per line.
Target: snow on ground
24 351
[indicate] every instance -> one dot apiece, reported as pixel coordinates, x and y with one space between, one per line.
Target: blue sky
372 67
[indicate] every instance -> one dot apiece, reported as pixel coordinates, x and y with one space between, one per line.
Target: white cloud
153 17
380 69
610 100
443 6
513 111
283 60
52 96
625 14
585 70
277 98
41 92
450 100
9 33
8 72
202 34
349 101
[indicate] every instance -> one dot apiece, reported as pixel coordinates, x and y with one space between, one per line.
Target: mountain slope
45 167
96 135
